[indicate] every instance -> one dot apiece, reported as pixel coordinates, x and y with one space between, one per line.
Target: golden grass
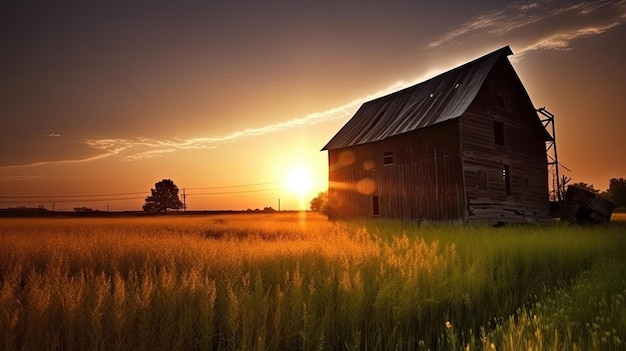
278 281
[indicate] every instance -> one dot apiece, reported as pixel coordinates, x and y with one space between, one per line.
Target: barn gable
504 154
441 98
466 146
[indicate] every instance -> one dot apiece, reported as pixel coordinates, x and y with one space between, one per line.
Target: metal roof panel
441 98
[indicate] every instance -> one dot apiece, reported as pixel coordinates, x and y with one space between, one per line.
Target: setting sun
299 181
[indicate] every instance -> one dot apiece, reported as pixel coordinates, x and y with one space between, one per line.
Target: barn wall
423 183
503 99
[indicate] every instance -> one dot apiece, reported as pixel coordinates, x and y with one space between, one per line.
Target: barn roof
436 100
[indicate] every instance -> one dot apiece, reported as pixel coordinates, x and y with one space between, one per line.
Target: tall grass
268 282
588 314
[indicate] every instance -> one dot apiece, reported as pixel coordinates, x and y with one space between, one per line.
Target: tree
585 186
617 192
164 196
320 203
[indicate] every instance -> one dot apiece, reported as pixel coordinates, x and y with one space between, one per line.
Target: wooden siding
438 150
424 181
503 99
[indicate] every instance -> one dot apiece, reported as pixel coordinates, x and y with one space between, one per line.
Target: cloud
541 24
147 154
109 149
43 163
18 178
562 40
54 135
143 148
140 148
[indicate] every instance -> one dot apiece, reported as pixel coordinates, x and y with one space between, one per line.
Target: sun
299 181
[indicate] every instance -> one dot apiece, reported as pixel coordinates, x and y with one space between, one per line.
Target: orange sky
99 102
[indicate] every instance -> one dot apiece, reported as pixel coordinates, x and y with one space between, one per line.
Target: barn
466 146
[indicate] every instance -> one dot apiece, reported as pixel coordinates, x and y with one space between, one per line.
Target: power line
235 192
30 199
70 200
233 186
68 196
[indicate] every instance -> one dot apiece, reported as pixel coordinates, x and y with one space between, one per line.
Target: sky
233 100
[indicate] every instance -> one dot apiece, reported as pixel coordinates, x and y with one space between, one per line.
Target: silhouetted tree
164 196
585 186
617 192
320 203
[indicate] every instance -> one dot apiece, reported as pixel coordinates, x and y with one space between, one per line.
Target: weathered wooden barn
465 146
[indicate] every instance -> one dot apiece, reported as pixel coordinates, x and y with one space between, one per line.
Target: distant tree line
165 196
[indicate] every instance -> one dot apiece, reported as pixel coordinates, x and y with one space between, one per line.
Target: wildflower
448 324
493 346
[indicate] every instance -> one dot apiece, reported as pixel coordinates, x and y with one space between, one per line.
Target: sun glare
299 181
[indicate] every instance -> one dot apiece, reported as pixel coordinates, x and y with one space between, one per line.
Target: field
299 282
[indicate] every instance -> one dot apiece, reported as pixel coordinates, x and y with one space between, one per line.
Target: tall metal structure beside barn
465 146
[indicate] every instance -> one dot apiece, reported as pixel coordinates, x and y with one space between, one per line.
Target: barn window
388 158
482 180
498 133
375 209
506 176
502 100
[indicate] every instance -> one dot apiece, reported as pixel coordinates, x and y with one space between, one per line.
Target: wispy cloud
107 153
18 178
148 154
140 148
54 135
547 24
562 40
143 148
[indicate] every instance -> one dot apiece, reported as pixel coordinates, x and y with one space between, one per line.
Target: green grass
282 282
587 314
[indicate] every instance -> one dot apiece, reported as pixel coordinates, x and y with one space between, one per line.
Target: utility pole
278 204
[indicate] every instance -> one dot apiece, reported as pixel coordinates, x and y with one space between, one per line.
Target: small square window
498 133
388 158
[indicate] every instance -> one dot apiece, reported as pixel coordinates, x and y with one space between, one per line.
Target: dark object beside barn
584 207
465 146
